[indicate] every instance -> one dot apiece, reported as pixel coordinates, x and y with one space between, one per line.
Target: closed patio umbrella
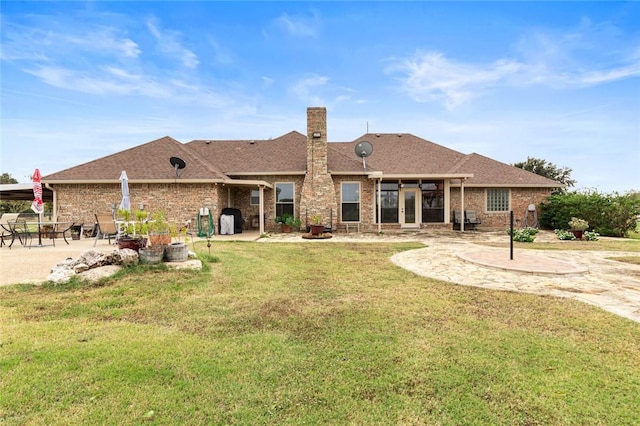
125 204
37 205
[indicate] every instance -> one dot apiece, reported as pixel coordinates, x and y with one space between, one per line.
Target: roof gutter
376 175
237 182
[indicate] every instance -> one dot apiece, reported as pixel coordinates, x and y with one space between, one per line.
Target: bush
608 214
591 236
526 235
564 235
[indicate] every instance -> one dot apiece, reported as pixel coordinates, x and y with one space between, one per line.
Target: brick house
406 182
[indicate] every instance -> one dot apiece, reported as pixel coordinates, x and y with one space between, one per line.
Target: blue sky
509 80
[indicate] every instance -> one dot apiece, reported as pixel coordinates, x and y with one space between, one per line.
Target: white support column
462 204
261 210
447 200
379 205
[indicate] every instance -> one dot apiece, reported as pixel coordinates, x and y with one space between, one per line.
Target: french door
410 208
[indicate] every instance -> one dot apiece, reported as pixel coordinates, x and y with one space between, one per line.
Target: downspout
54 208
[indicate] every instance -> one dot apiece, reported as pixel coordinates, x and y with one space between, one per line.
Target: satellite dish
178 164
363 150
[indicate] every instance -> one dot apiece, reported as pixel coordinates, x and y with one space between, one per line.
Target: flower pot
286 228
159 238
317 229
577 234
132 243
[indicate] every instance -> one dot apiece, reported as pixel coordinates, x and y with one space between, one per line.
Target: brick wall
475 199
180 201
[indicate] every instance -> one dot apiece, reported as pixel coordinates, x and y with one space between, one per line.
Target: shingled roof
397 154
487 171
284 154
149 161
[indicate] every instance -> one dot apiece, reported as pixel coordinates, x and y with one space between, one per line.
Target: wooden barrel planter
176 252
151 254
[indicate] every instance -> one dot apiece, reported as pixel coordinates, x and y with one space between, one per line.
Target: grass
285 334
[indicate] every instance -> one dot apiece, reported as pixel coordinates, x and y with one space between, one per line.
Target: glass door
409 208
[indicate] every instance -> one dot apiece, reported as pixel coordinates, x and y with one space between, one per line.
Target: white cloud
429 76
112 82
303 88
169 43
299 26
51 43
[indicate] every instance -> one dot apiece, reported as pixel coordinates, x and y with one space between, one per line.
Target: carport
23 192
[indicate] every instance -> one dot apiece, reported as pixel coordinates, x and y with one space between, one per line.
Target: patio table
26 231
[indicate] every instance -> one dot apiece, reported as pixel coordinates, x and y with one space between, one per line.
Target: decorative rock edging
93 265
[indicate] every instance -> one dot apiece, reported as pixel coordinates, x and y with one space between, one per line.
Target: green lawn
282 333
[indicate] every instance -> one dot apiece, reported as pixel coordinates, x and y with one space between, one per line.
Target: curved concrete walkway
586 276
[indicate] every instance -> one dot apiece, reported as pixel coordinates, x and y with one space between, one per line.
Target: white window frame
359 202
275 197
502 195
257 197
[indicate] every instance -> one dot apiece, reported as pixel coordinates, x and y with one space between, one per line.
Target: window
433 201
350 202
255 197
497 199
389 201
284 198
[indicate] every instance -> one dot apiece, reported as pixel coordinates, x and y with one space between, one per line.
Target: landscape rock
96 274
61 276
187 264
80 267
91 258
124 257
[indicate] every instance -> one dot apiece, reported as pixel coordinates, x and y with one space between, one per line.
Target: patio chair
471 219
105 227
457 219
5 228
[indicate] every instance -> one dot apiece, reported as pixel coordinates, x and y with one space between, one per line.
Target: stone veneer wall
318 196
475 199
79 202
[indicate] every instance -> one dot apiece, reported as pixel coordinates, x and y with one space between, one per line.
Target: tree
11 206
548 170
7 178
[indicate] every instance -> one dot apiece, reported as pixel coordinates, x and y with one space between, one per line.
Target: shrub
564 235
608 214
591 236
526 235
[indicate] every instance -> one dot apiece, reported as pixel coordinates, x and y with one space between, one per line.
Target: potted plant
578 226
159 230
317 228
133 231
287 220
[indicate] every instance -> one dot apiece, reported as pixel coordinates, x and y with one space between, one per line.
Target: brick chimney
318 196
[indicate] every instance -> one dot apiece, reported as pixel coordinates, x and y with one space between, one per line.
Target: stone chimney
318 196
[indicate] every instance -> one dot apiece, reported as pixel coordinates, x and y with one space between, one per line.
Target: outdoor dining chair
471 218
106 227
5 227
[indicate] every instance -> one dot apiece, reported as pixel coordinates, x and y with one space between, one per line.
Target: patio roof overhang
23 192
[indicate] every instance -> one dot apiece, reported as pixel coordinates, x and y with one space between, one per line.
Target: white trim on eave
239 182
298 172
507 185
